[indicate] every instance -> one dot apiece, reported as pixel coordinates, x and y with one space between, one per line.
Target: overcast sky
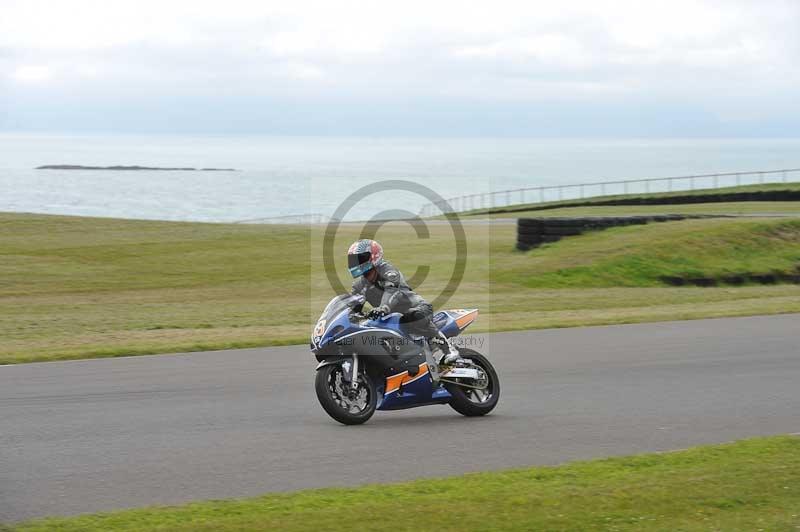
554 68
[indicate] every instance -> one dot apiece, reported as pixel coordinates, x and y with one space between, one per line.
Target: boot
449 353
438 342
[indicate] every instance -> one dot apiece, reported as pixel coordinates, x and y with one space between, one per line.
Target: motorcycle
376 364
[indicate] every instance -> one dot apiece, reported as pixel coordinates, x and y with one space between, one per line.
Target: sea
355 178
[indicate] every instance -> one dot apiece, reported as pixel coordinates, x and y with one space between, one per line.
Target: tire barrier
735 279
533 232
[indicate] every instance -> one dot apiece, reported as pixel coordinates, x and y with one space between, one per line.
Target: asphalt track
95 435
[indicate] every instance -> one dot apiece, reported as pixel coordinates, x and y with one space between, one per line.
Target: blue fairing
446 324
337 324
340 325
417 393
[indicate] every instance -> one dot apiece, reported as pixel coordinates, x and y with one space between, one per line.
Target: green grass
747 485
639 256
89 287
510 210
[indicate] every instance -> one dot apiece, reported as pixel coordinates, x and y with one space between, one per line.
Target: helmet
362 256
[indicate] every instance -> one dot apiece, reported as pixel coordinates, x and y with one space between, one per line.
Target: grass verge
641 256
746 485
88 287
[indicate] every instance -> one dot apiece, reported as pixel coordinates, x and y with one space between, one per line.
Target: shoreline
129 168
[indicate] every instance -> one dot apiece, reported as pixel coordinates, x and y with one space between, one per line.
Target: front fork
354 373
350 369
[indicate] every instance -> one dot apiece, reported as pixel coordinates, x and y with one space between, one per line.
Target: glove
379 312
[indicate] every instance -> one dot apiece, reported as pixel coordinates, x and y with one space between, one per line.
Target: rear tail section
452 322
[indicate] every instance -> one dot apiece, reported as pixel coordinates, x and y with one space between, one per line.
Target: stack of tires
533 232
530 233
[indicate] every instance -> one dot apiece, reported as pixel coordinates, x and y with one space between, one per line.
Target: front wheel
475 400
340 400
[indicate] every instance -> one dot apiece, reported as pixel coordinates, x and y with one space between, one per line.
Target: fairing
452 322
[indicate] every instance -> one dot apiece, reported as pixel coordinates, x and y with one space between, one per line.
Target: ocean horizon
281 176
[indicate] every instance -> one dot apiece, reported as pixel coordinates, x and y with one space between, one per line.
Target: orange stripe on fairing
466 319
394 382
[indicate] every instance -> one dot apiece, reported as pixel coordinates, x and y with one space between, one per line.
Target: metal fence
545 194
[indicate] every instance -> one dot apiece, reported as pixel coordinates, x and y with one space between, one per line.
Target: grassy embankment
593 206
747 485
82 287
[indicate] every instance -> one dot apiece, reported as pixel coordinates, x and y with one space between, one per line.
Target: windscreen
339 303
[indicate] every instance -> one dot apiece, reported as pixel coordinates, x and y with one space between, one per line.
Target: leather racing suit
390 289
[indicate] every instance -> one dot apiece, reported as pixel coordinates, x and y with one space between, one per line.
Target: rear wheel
343 403
482 397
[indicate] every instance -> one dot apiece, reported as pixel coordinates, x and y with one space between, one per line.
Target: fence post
625 187
716 181
602 189
761 178
647 186
738 180
691 183
784 176
560 192
541 194
581 191
522 195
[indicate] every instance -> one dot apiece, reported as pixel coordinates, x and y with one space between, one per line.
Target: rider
385 288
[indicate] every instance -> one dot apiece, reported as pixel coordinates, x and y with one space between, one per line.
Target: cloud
724 56
31 74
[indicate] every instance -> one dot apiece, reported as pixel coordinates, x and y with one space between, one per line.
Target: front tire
340 401
470 402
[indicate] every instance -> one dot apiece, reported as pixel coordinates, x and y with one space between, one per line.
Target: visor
359 263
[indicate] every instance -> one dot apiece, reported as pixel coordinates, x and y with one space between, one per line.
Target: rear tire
465 401
330 387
